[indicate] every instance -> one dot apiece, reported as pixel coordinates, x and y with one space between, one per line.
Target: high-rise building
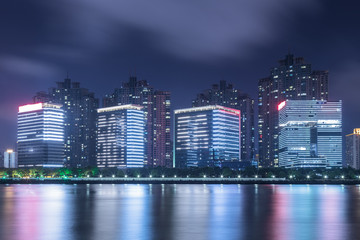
310 133
353 149
40 138
10 159
156 106
224 94
293 79
80 107
120 136
206 136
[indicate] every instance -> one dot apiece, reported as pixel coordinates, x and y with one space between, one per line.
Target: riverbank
175 181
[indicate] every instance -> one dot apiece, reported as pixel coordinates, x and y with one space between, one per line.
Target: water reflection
130 211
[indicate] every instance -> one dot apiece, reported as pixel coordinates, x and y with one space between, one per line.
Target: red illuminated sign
281 105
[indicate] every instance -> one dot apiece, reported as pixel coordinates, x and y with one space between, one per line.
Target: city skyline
183 57
179 119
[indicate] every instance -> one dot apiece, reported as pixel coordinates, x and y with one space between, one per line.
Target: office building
40 137
10 159
226 95
120 136
79 106
206 136
292 79
156 106
310 134
353 149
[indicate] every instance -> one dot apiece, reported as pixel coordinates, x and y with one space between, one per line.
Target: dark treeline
295 174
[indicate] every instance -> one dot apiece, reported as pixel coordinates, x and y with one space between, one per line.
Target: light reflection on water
133 211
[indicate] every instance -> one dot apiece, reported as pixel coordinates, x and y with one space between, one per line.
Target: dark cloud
203 30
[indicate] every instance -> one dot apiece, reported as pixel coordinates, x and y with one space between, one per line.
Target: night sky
180 46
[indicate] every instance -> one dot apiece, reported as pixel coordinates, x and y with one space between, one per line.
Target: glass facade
310 133
40 135
10 159
225 94
292 79
353 149
156 106
121 136
79 105
206 136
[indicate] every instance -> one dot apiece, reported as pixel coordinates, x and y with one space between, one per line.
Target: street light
273 176
342 177
222 176
101 176
162 176
256 176
126 176
113 175
138 176
175 176
291 176
239 176
204 176
325 176
150 176
307 176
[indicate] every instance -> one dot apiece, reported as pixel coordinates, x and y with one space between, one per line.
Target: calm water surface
102 211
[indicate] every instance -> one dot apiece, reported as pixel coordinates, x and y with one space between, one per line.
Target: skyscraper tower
207 136
40 135
293 79
79 106
226 95
156 106
353 149
120 136
310 134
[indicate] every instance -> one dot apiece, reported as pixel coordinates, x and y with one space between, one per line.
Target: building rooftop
37 106
207 108
120 107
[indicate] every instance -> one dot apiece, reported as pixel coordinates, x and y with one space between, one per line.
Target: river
179 211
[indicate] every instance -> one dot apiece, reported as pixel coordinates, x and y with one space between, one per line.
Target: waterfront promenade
173 180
